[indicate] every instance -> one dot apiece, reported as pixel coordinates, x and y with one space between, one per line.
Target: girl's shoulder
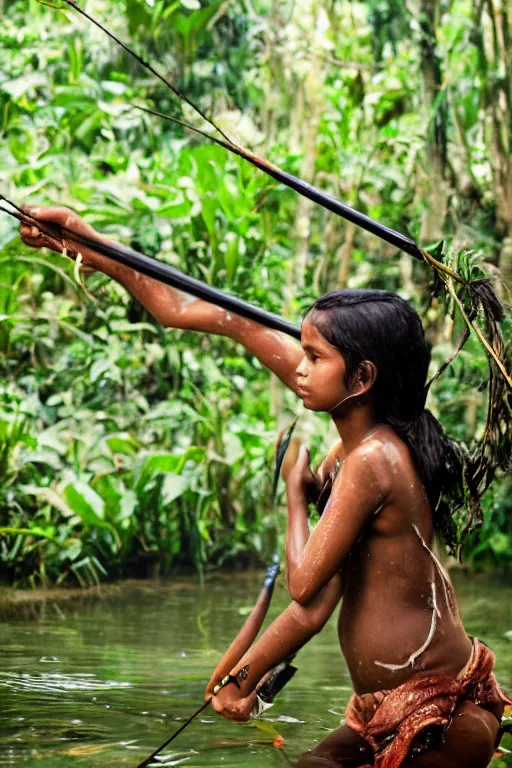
385 457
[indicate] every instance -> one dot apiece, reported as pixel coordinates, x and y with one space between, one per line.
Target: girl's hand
31 235
230 703
302 480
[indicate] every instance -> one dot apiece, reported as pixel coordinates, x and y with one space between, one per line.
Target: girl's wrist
295 493
290 486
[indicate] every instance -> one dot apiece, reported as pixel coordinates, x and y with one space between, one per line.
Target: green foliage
125 448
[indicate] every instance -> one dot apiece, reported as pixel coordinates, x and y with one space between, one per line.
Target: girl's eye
313 357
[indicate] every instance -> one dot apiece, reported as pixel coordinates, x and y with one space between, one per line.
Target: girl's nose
301 368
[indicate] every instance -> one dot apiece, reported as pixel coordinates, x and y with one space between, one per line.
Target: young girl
425 694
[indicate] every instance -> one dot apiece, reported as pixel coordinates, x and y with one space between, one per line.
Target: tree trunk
313 102
506 265
499 125
345 254
435 116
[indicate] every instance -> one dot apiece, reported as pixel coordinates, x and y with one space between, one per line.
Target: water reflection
102 682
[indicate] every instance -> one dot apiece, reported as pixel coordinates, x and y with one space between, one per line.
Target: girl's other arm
170 307
285 636
361 487
298 524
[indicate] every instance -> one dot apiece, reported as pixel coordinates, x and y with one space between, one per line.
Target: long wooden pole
157 270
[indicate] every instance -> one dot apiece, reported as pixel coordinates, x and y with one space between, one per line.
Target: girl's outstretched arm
170 307
285 636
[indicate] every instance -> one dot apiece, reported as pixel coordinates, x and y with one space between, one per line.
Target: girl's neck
355 425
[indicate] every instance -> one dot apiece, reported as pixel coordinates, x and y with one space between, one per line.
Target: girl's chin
310 405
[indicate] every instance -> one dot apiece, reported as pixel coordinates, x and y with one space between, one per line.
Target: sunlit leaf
173 486
84 501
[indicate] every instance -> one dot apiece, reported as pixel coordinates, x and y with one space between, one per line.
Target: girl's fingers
41 241
216 704
243 708
59 215
56 214
303 459
28 231
239 711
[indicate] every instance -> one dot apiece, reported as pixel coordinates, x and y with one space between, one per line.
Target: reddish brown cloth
390 720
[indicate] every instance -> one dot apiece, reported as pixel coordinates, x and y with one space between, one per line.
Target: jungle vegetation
127 449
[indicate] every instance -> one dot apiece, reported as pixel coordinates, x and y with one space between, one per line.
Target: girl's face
321 373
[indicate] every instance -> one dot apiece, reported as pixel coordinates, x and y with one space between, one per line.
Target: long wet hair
383 328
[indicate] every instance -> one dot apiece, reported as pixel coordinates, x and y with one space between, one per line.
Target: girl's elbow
300 594
310 620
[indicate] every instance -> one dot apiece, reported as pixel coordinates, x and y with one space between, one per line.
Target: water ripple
56 682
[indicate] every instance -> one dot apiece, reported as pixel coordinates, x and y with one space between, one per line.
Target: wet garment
392 721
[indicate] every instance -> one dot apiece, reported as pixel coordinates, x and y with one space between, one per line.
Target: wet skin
376 528
399 615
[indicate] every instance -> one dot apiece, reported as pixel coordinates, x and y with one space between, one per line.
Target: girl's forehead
309 330
310 335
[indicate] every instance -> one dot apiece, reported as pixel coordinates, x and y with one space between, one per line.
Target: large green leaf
165 463
85 502
173 486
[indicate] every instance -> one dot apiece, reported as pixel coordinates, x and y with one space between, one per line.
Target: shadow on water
102 680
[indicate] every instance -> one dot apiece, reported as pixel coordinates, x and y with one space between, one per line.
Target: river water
102 681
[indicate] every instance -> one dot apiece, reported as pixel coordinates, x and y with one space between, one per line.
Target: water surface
103 681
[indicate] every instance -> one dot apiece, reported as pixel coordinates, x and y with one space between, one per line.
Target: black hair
383 328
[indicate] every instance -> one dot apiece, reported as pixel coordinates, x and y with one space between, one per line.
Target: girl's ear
364 378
